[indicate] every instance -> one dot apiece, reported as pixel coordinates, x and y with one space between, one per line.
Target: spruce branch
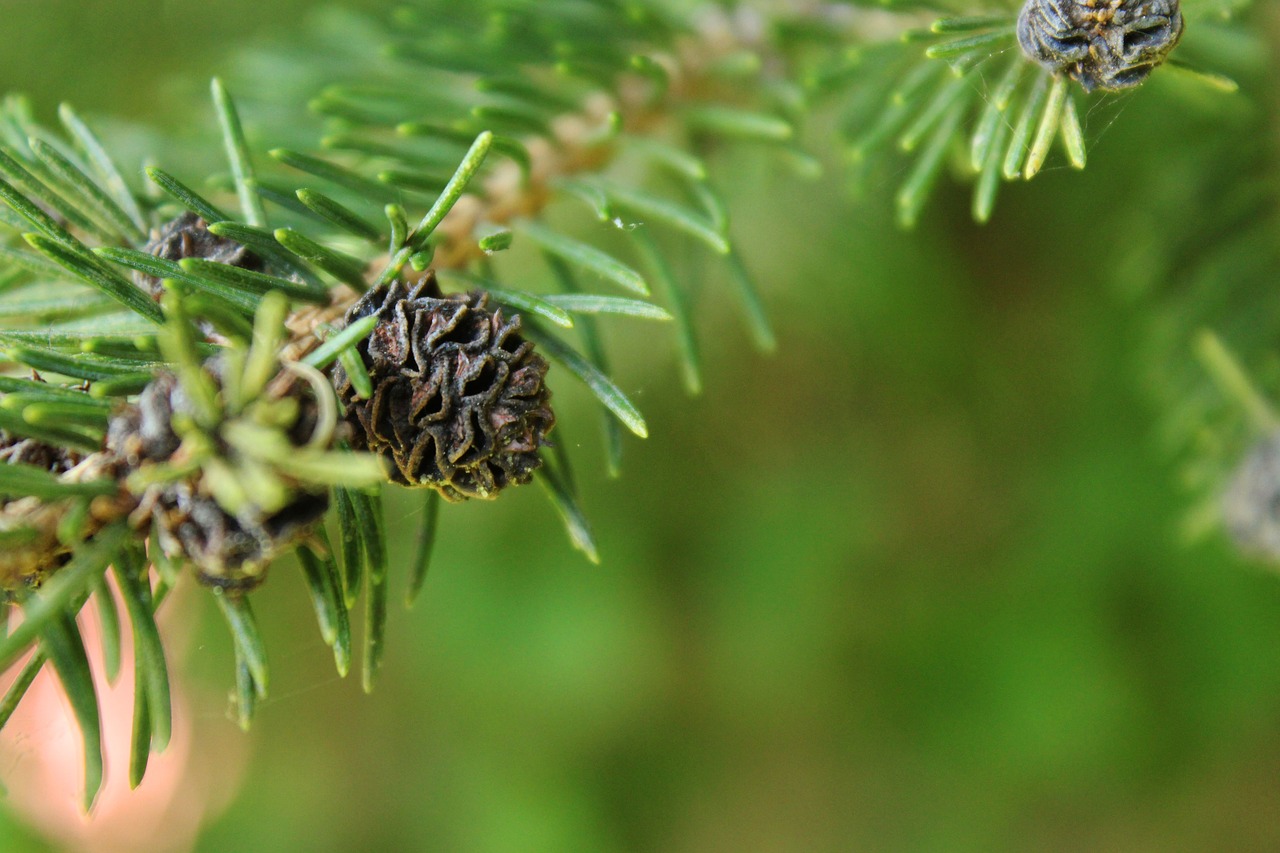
191 391
1205 279
205 383
1000 87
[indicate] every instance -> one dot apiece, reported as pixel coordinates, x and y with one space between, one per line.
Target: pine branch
208 382
997 87
187 404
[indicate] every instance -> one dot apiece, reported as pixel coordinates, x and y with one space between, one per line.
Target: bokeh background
916 582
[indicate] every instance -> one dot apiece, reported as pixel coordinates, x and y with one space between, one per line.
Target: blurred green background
914 583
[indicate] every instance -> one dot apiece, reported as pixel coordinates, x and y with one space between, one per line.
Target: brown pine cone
31 562
189 236
1102 44
15 450
1251 502
459 403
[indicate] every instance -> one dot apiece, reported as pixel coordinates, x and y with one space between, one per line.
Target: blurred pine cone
15 450
229 551
40 554
1251 502
459 403
188 236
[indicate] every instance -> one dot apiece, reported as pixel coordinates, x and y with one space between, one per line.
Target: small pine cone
27 451
459 403
229 552
15 450
43 554
189 236
1251 503
1110 45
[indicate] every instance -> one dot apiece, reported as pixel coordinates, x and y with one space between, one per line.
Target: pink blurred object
42 760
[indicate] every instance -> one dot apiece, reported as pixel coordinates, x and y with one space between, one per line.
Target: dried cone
189 236
40 553
459 403
1102 44
228 551
15 450
1251 502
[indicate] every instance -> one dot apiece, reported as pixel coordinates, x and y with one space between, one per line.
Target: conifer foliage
201 371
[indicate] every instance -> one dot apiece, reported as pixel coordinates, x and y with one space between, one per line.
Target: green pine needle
339 214
251 654
426 543
609 395
185 196
148 647
583 256
62 643
238 155
566 504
